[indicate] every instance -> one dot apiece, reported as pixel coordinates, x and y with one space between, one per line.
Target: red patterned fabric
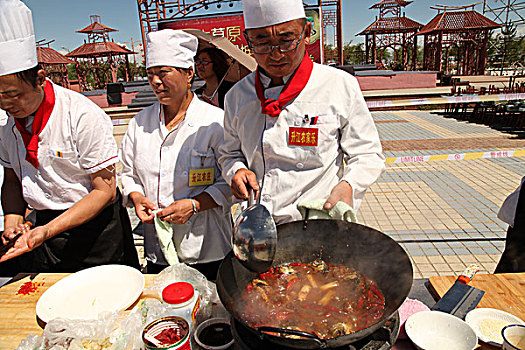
39 123
292 88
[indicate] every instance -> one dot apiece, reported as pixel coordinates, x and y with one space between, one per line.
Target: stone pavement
443 212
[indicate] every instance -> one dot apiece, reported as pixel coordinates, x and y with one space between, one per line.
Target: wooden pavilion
54 63
392 30
99 59
456 40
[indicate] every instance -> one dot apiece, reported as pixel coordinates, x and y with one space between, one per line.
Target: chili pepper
325 309
168 336
29 287
264 276
281 314
291 282
377 293
360 302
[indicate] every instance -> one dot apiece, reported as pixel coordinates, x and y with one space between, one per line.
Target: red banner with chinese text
231 26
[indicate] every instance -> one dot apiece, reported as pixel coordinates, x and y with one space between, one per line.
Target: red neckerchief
41 117
293 87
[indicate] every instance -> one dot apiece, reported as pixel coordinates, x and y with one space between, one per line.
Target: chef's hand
341 192
143 207
242 181
29 240
177 212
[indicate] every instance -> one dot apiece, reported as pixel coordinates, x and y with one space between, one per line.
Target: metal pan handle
310 336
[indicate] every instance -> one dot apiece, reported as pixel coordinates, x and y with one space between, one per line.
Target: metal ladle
254 237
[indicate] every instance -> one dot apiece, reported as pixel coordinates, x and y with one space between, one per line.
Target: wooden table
17 311
18 319
504 291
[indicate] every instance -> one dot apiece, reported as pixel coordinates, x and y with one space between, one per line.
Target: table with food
326 291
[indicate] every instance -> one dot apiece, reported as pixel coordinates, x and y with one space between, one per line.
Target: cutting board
18 317
504 291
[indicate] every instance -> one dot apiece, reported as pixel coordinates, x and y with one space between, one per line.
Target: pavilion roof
454 21
99 49
96 27
47 55
392 25
388 3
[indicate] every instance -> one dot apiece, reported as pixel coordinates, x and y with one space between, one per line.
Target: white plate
436 330
84 294
488 323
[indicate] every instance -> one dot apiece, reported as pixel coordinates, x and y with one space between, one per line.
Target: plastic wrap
182 272
123 330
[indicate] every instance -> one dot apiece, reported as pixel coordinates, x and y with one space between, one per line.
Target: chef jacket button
300 165
266 198
190 123
47 195
164 149
184 173
163 173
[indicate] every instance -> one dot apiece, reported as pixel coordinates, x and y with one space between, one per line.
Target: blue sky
59 19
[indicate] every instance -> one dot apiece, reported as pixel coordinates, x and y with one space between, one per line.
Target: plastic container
182 300
167 333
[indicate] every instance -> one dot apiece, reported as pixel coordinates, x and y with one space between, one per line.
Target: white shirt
157 163
77 141
348 143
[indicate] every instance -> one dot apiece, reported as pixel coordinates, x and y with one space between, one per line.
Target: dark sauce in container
216 334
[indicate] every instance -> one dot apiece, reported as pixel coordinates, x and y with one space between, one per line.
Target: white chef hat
17 38
169 47
264 13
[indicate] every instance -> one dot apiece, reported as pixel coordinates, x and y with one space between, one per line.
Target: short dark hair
30 75
219 60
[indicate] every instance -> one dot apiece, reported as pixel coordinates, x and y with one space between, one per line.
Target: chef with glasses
295 130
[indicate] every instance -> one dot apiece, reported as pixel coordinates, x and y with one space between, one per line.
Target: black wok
336 242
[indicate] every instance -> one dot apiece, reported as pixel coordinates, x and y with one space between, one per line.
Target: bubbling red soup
319 298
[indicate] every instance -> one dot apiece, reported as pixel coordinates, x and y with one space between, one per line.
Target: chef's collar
266 80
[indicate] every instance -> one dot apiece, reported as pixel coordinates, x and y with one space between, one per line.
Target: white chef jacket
77 141
157 163
289 174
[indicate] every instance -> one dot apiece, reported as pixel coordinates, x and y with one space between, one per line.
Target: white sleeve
220 191
364 161
129 178
94 138
4 155
231 156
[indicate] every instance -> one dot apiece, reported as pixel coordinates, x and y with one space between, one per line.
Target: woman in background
212 66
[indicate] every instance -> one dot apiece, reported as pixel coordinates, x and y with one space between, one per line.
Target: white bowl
488 323
435 330
86 293
513 337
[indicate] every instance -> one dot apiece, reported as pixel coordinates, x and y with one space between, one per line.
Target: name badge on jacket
298 136
201 177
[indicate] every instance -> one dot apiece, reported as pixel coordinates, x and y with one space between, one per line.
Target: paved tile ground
443 213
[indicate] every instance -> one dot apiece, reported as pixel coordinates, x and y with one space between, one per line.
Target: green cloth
165 236
340 211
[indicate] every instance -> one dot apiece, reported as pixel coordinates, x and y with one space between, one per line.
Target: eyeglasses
283 47
202 62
